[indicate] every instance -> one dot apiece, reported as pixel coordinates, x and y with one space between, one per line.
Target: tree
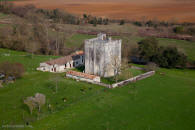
163 56
11 69
33 102
32 47
18 70
84 15
125 72
56 79
174 58
179 30
40 100
30 102
116 66
148 48
122 22
150 67
6 69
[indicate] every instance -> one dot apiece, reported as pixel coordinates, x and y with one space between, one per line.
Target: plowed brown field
171 10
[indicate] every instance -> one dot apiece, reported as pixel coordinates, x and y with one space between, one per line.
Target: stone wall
115 85
134 79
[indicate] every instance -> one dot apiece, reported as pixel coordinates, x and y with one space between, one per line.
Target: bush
122 22
191 31
148 48
179 30
137 23
168 57
151 66
12 69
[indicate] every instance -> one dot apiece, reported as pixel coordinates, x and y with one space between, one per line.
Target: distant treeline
61 16
55 15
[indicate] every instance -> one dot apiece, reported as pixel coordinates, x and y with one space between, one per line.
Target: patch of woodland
9 71
168 57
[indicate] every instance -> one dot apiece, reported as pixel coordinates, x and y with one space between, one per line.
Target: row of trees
183 30
34 37
27 11
169 57
94 20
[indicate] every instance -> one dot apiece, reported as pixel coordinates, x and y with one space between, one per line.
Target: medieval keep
99 54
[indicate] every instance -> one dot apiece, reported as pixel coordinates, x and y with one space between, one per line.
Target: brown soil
169 10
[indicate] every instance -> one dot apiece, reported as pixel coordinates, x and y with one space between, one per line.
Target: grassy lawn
111 80
77 39
163 102
160 102
185 46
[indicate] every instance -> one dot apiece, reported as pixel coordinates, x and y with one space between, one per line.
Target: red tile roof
66 59
83 75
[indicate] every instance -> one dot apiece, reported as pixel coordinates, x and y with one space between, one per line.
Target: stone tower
99 53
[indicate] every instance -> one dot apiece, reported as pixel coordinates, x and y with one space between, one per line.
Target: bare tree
125 70
11 69
56 79
40 99
30 102
116 66
151 67
32 47
37 101
46 26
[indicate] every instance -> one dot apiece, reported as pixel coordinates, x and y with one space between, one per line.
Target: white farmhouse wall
61 68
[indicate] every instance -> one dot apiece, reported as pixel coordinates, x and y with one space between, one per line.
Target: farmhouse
61 64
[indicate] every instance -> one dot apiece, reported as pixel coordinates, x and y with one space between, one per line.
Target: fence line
134 79
122 83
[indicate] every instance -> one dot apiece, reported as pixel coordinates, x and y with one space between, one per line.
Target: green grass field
77 39
186 47
161 102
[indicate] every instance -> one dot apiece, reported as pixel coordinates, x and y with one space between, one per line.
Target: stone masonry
99 53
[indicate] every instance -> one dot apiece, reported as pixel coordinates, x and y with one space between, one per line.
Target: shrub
148 48
168 57
137 23
179 30
12 69
191 31
151 66
122 22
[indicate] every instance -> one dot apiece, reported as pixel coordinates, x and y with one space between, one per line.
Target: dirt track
170 10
